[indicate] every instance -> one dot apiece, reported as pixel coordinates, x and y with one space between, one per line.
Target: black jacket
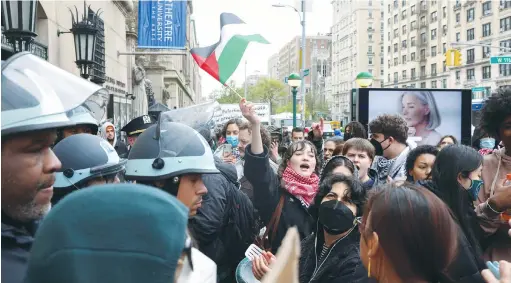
467 266
17 240
121 149
267 192
209 225
341 264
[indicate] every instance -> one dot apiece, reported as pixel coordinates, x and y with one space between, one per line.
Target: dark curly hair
298 146
238 123
357 130
356 194
390 126
415 153
495 110
453 138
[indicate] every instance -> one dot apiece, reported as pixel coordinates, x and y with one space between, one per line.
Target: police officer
172 156
136 126
87 160
35 99
85 123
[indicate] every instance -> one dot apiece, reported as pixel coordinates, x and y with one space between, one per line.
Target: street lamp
294 80
364 79
19 18
85 33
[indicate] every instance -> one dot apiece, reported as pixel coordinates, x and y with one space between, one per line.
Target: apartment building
485 23
357 46
273 67
417 37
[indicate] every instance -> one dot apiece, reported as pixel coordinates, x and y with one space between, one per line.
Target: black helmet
84 157
169 149
36 94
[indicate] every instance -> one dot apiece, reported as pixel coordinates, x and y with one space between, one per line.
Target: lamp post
364 79
19 18
302 48
294 80
85 33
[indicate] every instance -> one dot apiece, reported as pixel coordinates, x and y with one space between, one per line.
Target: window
423 21
471 75
412 41
381 49
370 3
403 44
470 56
444 12
444 30
433 50
433 84
370 37
433 34
403 29
487 29
395 62
370 61
395 77
433 17
458 36
457 18
505 4
486 72
433 69
389 35
423 37
423 71
470 15
412 73
444 67
505 70
395 19
413 25
505 24
412 56
505 43
423 85
412 9
396 33
370 49
412 85
470 34
403 3
388 77
395 47
388 48
404 74
403 59
381 61
403 15
423 53
444 47
486 52
486 8
458 75
444 83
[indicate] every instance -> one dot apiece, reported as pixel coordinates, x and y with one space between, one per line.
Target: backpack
240 227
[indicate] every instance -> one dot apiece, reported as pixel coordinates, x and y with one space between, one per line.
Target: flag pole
246 85
233 90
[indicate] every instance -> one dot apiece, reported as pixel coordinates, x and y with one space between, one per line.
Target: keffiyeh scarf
304 188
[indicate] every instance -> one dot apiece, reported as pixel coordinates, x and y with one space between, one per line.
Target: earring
175 180
369 269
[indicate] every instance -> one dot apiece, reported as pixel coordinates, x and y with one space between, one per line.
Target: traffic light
457 58
448 58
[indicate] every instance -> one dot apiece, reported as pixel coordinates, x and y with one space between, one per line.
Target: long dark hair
357 130
334 162
294 147
415 230
450 162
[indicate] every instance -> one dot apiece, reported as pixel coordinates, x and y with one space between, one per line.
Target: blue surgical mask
474 189
232 140
488 143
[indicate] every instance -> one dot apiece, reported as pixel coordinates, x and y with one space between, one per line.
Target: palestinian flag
220 60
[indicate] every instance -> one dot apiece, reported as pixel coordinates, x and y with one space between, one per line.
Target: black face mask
378 149
335 217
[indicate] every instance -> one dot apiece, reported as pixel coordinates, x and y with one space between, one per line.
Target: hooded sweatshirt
102 235
120 147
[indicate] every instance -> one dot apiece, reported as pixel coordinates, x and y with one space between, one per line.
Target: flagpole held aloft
233 90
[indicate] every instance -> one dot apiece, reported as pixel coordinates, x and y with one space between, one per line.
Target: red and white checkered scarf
304 188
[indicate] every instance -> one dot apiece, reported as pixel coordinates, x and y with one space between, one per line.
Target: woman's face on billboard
414 112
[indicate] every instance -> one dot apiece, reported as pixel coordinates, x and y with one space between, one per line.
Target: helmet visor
35 92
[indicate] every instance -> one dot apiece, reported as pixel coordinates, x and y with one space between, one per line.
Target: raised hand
247 110
317 129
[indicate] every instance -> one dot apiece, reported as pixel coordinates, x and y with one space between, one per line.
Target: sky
277 25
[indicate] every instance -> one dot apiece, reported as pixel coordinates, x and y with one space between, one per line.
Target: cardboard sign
232 111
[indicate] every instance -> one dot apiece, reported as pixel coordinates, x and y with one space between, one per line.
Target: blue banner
162 24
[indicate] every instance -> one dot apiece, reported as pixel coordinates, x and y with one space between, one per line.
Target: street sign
476 89
305 72
500 60
285 80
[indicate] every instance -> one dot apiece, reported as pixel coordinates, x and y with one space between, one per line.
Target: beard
28 212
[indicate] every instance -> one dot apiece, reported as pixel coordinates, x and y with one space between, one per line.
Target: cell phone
227 150
494 268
